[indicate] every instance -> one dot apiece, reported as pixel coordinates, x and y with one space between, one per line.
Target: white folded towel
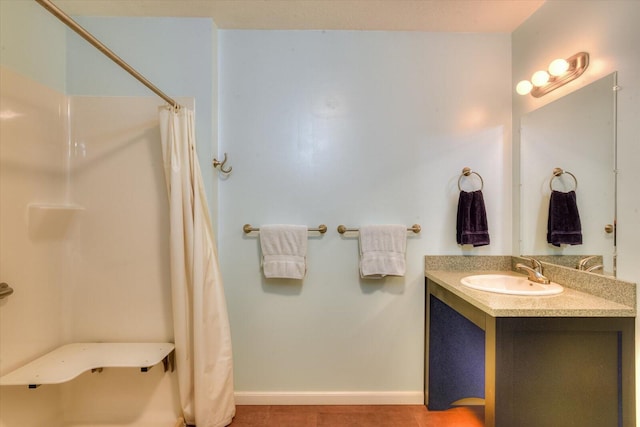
382 250
284 251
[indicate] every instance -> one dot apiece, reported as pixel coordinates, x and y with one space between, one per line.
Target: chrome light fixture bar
561 72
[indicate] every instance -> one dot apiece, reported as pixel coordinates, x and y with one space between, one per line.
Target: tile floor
357 416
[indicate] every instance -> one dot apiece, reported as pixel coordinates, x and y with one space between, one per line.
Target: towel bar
342 229
247 228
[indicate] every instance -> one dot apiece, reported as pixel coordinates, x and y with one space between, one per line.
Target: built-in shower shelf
71 207
50 221
69 361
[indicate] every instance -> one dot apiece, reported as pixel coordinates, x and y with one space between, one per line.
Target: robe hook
218 163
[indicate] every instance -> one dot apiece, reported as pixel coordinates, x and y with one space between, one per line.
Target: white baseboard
330 398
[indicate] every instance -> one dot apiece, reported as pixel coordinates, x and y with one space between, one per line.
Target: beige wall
119 289
84 243
33 257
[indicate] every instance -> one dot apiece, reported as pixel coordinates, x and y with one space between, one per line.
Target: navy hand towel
471 226
563 225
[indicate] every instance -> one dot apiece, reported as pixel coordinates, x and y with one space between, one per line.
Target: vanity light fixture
560 72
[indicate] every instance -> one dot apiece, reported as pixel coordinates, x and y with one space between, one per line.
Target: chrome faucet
534 272
582 265
594 268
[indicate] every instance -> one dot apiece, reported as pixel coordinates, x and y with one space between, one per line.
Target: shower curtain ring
218 163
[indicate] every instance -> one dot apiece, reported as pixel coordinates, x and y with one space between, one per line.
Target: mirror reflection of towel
563 225
471 226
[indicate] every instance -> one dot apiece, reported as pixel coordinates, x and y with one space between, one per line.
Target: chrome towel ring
466 171
557 172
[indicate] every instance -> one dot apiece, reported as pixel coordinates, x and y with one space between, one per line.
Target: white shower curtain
201 325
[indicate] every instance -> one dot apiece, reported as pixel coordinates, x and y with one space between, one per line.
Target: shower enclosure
84 220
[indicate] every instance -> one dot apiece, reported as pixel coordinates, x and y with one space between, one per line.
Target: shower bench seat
69 361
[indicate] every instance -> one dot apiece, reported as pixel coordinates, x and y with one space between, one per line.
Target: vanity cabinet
533 369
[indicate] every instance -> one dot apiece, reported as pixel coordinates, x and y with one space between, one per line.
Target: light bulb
558 67
539 78
524 87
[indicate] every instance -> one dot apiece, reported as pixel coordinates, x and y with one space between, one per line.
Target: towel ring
557 172
466 171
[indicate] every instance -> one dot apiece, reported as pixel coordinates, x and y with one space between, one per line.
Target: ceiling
502 16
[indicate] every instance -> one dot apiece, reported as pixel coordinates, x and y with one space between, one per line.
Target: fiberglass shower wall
120 290
89 243
32 251
83 210
33 170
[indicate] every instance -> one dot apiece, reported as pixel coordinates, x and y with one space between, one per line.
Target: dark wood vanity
556 361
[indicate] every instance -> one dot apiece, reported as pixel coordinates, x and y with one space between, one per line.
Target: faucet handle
536 265
533 274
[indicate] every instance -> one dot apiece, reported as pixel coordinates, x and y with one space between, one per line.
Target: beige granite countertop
570 303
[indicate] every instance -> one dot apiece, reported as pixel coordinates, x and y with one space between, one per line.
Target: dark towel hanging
471 226
563 225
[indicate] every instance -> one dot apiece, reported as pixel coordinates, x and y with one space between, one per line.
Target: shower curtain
201 325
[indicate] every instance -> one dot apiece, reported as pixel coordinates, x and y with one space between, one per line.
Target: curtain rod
66 19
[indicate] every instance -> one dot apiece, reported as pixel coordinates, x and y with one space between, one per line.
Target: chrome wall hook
217 163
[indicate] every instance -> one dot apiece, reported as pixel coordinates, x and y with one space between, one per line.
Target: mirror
575 133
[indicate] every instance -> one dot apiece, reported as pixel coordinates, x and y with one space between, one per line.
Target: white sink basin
507 284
